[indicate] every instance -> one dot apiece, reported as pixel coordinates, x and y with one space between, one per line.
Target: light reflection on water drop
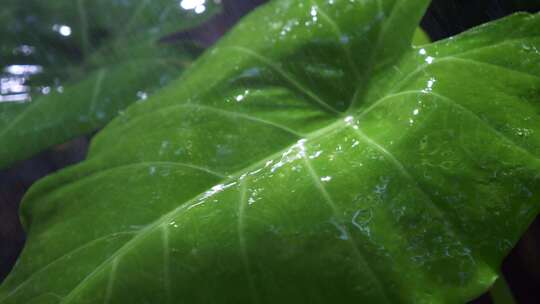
24 49
343 235
196 5
141 95
361 219
326 178
429 85
428 59
13 84
242 96
23 69
62 29
45 90
313 14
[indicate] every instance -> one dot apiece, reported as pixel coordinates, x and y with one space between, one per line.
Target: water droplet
23 69
314 14
142 95
62 29
242 96
429 85
315 155
198 6
297 151
427 59
361 220
24 49
343 232
45 90
523 132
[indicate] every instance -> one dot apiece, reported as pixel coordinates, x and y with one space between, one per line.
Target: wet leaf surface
311 156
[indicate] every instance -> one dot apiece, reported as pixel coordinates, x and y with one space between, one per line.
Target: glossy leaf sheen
312 156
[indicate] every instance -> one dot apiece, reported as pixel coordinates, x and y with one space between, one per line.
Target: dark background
443 19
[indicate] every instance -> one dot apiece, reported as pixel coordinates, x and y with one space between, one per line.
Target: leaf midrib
336 126
85 245
400 84
335 210
167 217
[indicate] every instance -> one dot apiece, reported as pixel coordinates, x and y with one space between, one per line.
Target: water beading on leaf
312 156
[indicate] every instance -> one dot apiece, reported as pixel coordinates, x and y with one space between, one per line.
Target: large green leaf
312 156
86 105
96 56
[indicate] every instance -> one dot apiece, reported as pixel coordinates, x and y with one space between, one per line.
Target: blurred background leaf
71 66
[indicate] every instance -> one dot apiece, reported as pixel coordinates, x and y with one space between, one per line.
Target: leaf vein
242 239
286 76
335 209
188 204
59 259
111 280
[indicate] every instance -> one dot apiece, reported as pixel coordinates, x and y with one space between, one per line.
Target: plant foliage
72 65
312 156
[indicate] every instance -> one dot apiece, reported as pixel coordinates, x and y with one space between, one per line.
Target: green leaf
312 156
420 37
92 78
85 105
